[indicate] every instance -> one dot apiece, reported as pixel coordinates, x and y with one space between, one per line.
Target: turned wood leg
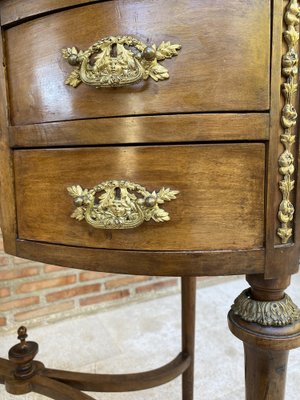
188 298
268 323
265 372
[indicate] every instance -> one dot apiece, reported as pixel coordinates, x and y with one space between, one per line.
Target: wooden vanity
156 138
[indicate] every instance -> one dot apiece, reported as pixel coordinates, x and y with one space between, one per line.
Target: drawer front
223 61
220 204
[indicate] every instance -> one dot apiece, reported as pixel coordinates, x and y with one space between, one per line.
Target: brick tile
156 286
46 283
91 275
41 312
18 303
54 268
67 293
104 297
18 273
2 321
4 292
124 281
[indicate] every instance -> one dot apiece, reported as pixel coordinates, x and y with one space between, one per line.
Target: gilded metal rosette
267 313
119 204
288 120
117 61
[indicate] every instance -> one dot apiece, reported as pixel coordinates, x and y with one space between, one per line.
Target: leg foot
268 323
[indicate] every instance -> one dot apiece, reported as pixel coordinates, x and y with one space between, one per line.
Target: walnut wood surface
123 382
171 263
14 11
188 313
7 195
221 67
225 218
220 205
265 373
151 129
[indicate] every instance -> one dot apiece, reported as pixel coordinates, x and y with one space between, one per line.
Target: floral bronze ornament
288 120
119 204
118 61
267 313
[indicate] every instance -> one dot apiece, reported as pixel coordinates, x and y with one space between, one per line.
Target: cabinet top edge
14 12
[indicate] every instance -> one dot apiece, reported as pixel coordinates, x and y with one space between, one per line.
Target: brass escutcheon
119 204
118 61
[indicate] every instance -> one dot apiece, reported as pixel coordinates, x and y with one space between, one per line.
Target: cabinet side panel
282 256
7 198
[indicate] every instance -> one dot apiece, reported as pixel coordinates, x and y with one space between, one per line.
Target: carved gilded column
288 120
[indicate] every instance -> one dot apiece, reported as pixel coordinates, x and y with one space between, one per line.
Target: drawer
220 204
224 59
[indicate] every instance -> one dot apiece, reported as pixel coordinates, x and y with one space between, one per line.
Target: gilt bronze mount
118 61
290 61
266 313
119 204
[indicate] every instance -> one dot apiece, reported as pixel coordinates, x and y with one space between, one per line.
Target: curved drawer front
223 60
220 204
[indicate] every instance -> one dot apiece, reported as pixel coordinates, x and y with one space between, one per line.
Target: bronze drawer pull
118 61
120 204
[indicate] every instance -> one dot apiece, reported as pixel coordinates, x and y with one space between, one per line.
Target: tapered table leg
268 323
188 296
265 373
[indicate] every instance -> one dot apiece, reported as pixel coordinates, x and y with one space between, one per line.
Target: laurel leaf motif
160 215
75 191
78 214
158 72
73 79
166 195
167 50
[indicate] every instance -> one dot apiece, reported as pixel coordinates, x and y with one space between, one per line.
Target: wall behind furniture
37 294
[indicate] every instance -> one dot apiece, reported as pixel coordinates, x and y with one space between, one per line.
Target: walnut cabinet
158 138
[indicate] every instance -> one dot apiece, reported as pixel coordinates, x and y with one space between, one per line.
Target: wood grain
273 194
221 67
16 10
172 263
214 210
7 195
188 324
122 382
152 129
265 373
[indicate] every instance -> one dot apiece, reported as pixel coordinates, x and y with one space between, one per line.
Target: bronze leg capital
268 322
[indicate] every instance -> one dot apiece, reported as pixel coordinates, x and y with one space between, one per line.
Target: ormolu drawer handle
119 204
118 61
